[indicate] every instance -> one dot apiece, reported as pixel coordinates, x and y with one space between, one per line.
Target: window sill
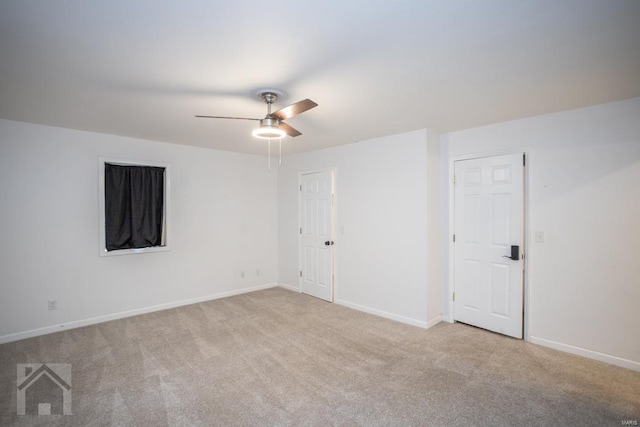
104 252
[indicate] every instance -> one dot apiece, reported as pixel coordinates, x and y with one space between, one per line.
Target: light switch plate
540 236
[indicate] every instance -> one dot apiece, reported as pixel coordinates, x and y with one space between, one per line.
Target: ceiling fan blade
289 130
224 117
294 109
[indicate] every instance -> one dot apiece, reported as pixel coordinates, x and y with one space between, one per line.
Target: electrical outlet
52 305
539 236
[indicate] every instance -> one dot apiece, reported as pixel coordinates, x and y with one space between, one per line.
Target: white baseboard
433 322
290 287
100 319
590 354
387 315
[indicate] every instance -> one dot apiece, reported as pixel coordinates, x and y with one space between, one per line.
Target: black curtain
134 206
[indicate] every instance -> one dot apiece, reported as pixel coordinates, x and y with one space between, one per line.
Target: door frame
450 283
334 218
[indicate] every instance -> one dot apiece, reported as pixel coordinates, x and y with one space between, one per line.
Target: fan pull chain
279 153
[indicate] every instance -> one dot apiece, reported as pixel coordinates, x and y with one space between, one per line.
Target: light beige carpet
276 357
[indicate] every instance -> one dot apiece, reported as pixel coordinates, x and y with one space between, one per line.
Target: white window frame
102 248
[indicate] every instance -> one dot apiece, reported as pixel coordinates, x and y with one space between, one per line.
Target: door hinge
332 197
454 296
300 187
524 160
454 238
300 230
453 179
300 273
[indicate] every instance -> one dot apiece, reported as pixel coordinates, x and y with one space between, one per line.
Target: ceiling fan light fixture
269 130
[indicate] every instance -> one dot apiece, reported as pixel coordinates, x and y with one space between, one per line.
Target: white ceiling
144 68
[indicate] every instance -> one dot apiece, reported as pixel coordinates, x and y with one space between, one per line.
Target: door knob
515 253
329 243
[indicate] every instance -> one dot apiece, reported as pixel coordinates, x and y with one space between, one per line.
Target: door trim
449 284
334 218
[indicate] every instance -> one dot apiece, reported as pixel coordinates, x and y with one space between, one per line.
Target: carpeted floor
275 357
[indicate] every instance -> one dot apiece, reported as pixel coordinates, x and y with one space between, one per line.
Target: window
134 205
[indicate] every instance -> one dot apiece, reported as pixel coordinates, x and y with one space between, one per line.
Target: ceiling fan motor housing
269 129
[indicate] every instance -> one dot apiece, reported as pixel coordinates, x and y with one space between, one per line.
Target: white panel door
316 241
489 220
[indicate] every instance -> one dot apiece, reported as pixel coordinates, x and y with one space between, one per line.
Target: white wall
381 241
224 220
230 214
435 231
584 193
